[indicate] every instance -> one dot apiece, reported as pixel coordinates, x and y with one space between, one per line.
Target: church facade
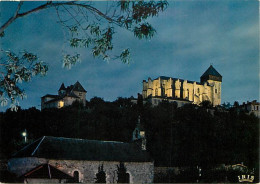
66 96
85 161
184 91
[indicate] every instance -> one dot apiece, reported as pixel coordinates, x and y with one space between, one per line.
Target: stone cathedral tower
183 91
213 79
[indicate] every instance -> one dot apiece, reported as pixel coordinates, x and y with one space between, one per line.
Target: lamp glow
24 134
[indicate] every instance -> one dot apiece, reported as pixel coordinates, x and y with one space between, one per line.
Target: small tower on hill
139 134
62 89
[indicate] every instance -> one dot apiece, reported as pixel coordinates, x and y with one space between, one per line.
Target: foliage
89 26
14 70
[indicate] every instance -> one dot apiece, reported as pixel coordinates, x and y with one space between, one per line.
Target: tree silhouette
123 177
101 175
176 137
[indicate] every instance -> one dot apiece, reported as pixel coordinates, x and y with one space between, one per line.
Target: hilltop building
89 161
184 91
252 107
66 96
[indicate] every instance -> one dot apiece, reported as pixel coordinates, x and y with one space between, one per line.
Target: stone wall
139 172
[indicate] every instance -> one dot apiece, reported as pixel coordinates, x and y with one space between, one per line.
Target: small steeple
62 87
139 134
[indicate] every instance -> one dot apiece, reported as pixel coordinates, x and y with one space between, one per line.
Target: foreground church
69 160
184 91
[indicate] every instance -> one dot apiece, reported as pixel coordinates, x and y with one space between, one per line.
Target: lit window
60 104
142 133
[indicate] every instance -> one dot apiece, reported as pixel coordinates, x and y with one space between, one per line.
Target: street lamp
24 134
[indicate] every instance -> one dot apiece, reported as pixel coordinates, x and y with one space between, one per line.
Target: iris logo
246 178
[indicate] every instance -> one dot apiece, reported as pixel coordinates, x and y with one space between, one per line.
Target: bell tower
139 134
214 80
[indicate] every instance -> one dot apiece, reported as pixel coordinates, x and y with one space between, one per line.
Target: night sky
190 36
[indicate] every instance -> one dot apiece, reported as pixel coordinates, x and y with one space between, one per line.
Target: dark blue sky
190 36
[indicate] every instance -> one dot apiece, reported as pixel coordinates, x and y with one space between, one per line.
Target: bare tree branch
17 15
49 5
5 25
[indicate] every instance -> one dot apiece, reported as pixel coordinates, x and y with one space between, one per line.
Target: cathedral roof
211 71
211 74
163 77
174 79
82 149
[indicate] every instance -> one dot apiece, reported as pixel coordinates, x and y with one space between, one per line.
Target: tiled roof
51 96
211 71
78 87
211 74
83 149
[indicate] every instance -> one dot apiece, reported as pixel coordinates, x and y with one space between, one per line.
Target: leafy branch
88 27
14 70
130 15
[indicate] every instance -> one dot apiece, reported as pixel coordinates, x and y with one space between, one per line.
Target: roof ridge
84 139
174 78
38 146
26 146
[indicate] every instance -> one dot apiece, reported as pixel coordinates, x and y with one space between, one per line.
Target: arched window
156 92
163 90
216 91
188 94
76 176
198 90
